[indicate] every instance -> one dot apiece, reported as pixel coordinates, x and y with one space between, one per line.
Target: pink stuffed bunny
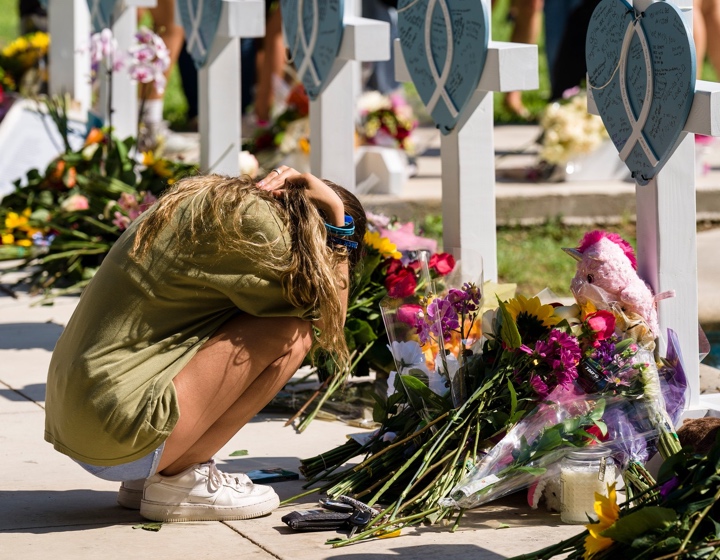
606 271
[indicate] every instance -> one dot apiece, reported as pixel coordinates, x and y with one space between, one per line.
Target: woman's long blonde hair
308 270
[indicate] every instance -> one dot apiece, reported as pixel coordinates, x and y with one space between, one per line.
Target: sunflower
533 319
382 244
608 512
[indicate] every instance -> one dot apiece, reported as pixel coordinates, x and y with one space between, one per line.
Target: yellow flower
24 243
159 166
586 308
8 239
304 145
13 220
608 512
532 307
383 245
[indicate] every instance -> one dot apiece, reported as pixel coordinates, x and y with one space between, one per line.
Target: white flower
489 322
407 354
391 384
437 383
371 101
389 436
248 164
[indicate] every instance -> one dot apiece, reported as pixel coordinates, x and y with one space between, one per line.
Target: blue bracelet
345 231
340 241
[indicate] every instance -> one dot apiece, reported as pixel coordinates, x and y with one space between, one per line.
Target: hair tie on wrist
345 242
346 231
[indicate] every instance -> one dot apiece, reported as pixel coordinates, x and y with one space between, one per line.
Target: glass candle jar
584 472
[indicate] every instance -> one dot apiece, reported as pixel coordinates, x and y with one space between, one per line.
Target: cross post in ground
332 114
219 86
666 231
69 65
468 156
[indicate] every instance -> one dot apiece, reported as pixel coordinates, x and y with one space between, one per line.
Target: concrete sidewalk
49 506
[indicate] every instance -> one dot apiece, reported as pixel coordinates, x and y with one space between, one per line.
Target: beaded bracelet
346 231
340 241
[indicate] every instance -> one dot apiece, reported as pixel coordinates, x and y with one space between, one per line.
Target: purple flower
669 486
561 353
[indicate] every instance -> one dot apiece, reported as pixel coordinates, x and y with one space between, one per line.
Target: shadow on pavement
27 336
34 392
44 511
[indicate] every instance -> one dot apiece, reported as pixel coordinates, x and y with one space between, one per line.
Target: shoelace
217 478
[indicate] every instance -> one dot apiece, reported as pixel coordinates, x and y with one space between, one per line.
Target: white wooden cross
69 65
666 231
468 156
219 86
332 114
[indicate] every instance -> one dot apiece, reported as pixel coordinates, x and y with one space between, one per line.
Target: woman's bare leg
231 378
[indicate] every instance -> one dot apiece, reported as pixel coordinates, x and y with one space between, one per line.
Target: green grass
9 21
532 257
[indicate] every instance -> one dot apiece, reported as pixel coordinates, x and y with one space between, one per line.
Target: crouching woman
197 317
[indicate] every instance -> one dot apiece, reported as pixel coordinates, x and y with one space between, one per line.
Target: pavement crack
23 395
256 543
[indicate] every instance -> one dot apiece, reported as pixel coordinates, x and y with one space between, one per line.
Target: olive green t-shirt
110 398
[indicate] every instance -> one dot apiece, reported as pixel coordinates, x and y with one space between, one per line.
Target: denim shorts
140 468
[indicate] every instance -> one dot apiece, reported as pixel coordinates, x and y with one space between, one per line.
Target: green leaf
360 330
513 398
502 526
628 528
149 526
419 395
535 471
239 453
508 328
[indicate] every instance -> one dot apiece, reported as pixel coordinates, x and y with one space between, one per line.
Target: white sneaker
130 493
203 493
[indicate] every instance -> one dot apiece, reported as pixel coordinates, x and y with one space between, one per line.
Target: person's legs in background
189 77
527 17
270 64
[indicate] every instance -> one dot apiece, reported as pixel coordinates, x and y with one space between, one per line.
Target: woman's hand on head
323 196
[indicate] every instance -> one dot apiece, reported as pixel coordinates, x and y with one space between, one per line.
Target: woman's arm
326 200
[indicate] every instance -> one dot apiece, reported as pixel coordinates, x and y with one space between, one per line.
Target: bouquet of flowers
386 269
568 130
472 415
287 136
386 120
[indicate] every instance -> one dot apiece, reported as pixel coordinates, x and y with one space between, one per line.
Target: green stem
374 530
699 519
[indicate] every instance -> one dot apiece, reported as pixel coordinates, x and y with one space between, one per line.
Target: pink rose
602 323
75 203
408 313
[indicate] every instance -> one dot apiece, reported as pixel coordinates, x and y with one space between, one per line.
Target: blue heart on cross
444 48
313 30
200 20
641 73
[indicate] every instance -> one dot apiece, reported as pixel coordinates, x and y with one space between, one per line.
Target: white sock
153 111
